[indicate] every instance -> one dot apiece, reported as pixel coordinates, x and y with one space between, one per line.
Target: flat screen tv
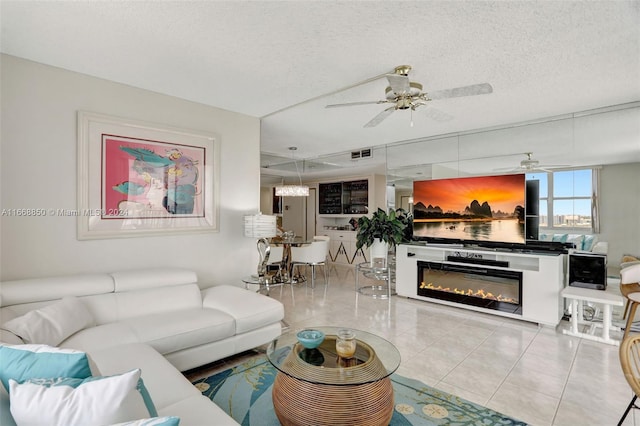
486 210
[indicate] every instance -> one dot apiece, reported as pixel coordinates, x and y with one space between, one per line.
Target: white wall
620 210
38 170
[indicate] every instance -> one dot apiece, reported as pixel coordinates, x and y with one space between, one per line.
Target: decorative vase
378 252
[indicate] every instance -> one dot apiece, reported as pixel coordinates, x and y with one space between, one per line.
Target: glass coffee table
314 384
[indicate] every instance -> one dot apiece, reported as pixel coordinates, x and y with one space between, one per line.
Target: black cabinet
355 197
350 197
330 198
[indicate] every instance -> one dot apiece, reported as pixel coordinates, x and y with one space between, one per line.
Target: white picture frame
139 179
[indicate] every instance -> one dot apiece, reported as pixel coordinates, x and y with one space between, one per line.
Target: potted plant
380 232
406 218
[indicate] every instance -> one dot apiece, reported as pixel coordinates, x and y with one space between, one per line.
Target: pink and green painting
151 179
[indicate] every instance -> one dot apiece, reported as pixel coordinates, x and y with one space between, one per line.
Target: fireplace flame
481 293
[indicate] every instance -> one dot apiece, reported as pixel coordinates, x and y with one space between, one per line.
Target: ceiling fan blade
507 169
355 103
399 83
474 89
378 118
437 115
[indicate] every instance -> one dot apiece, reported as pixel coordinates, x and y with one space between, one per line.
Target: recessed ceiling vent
364 153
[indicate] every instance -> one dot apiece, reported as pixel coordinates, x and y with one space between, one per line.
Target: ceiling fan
531 165
405 94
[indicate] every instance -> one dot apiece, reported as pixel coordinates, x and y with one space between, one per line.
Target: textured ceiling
543 58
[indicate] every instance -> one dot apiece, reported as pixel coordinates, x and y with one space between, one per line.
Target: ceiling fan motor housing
403 69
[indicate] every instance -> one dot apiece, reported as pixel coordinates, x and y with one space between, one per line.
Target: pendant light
293 190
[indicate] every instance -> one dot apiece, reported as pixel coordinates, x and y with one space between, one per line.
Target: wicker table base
300 403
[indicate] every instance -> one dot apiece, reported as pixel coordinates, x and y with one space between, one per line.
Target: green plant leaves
387 227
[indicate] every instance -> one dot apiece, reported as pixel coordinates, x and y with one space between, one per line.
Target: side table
577 296
374 273
264 285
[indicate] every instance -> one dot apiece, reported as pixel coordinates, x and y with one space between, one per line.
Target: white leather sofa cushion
171 393
132 304
100 337
208 413
54 288
252 310
152 278
103 307
172 331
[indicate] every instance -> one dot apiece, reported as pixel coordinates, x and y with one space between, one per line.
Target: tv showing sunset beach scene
486 209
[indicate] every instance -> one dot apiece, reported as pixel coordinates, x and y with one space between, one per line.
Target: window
566 198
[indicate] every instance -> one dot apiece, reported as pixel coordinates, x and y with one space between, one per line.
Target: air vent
365 153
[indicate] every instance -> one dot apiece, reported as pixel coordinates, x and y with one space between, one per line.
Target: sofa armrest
250 310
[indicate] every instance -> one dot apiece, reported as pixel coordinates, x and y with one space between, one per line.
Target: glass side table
375 273
263 285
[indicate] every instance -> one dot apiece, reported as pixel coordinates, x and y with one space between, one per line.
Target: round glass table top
375 358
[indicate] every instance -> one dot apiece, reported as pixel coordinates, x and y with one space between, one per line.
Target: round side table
375 273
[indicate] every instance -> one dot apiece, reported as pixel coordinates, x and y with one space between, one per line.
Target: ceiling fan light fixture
415 90
529 163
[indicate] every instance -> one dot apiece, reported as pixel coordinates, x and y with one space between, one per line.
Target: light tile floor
535 374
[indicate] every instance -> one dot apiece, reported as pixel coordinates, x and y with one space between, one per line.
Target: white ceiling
282 61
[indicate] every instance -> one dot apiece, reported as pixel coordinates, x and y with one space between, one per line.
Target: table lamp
261 226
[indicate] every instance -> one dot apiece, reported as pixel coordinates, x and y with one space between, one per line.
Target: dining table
285 270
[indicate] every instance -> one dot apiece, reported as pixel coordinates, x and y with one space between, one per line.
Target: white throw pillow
154 421
68 402
53 323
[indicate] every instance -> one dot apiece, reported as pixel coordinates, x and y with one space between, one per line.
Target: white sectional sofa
159 321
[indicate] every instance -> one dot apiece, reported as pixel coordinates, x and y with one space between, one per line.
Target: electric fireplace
473 285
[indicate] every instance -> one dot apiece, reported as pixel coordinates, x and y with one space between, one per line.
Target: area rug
244 392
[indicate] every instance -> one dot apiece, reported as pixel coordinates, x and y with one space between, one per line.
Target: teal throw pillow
24 362
587 243
560 238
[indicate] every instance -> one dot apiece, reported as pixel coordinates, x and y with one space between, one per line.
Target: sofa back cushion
53 288
109 308
108 297
152 278
131 304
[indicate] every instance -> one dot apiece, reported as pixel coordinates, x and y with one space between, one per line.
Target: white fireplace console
543 277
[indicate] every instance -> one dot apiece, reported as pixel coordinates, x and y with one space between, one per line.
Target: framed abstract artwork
143 179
